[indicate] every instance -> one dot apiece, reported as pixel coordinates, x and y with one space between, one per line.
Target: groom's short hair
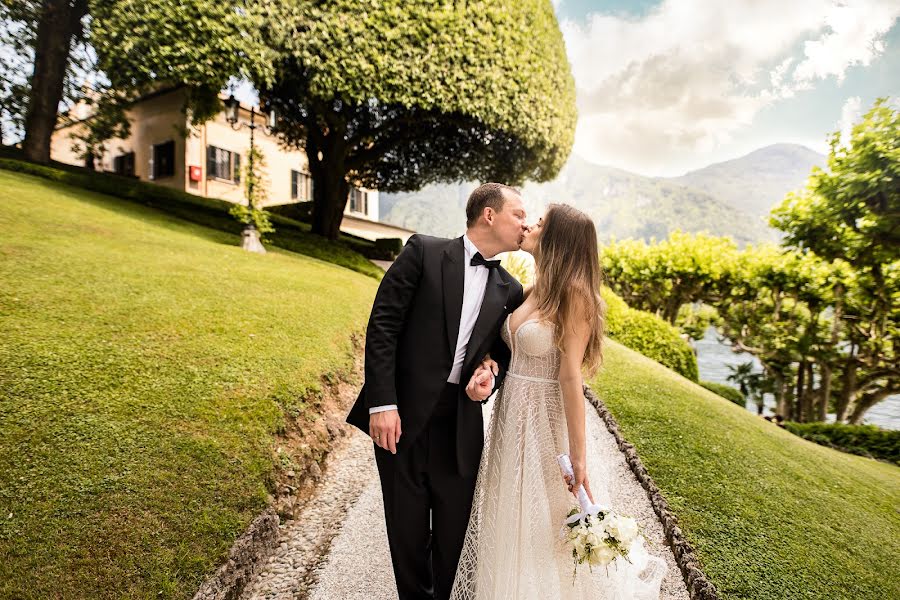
486 194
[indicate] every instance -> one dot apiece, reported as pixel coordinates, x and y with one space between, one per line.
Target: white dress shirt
474 283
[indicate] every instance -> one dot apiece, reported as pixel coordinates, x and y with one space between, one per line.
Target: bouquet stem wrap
565 463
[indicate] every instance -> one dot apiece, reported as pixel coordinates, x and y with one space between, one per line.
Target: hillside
770 515
146 368
758 181
724 199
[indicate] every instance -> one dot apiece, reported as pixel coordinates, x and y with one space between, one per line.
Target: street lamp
232 108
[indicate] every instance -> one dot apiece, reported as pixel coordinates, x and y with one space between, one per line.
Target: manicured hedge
865 440
650 335
381 249
726 391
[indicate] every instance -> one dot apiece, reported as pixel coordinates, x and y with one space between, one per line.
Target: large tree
60 24
138 46
397 94
851 212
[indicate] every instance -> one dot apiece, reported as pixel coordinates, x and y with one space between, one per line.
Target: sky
664 87
668 86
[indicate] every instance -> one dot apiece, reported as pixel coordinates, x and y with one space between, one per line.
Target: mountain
728 199
758 181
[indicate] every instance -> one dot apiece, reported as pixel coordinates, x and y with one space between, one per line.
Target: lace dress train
513 548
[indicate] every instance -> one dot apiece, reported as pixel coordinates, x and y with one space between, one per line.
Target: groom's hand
384 427
490 364
480 385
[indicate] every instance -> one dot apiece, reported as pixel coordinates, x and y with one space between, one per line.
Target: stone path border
247 555
290 572
698 585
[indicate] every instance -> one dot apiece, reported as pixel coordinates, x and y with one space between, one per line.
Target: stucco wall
160 118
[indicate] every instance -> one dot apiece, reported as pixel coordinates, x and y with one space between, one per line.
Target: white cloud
685 77
853 37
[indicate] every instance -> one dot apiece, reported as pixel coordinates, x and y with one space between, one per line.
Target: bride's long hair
568 275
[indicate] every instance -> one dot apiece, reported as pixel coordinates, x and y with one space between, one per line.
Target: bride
513 548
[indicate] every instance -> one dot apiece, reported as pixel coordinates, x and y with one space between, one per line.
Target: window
358 201
301 186
223 164
124 164
163 162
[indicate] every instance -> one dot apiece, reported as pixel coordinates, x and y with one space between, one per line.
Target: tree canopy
852 210
397 94
134 47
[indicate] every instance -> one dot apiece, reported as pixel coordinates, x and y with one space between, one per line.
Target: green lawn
146 364
347 251
769 514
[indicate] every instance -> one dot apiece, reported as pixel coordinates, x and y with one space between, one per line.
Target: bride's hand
480 385
581 478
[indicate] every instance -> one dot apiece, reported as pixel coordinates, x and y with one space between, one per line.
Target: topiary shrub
650 335
726 391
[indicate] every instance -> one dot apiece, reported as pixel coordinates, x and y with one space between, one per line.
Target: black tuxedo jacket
411 341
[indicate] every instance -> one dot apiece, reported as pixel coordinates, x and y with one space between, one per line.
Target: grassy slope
771 515
144 366
210 212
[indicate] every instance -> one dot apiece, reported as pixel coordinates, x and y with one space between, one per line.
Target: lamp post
250 234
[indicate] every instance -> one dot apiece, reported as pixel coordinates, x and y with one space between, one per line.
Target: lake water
714 357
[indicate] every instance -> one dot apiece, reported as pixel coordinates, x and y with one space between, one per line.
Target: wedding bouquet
596 534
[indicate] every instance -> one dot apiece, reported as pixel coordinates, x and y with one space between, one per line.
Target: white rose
611 525
602 555
628 530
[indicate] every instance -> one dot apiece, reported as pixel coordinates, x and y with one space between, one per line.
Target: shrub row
726 391
864 440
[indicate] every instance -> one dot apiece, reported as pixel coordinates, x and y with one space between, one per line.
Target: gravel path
338 548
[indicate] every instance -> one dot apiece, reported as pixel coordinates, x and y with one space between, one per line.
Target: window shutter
151 172
211 161
294 177
237 167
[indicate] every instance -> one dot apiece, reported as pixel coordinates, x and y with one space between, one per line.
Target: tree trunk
848 390
799 393
865 402
808 394
781 406
330 187
60 22
824 393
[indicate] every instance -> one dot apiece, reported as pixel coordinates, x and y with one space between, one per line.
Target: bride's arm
574 344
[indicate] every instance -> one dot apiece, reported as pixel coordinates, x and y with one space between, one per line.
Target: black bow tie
478 259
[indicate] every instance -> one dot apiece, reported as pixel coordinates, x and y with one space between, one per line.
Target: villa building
206 160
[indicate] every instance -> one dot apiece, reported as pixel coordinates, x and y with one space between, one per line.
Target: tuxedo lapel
453 275
492 307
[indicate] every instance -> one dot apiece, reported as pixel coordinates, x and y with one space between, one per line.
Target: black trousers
426 505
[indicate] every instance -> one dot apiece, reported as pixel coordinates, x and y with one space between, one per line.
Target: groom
437 313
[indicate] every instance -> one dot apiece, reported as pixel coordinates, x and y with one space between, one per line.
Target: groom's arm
389 311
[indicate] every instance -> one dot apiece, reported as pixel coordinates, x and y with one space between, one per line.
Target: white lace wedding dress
512 548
